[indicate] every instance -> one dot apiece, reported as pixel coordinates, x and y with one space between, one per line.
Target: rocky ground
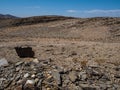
74 54
44 75
62 65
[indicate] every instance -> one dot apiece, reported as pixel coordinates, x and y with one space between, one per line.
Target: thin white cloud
94 11
72 11
102 11
33 7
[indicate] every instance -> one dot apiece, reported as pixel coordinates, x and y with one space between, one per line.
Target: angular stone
82 75
39 83
26 75
17 78
3 62
105 77
19 63
36 80
88 87
36 60
32 82
17 69
46 62
18 88
95 73
60 69
72 75
29 85
103 86
56 76
40 75
1 83
74 87
33 76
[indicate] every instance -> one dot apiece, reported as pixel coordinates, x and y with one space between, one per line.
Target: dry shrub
84 63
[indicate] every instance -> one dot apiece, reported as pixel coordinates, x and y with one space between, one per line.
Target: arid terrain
60 53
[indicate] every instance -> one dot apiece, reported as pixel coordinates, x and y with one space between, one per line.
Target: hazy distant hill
7 16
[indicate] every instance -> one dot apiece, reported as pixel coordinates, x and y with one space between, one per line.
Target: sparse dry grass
100 61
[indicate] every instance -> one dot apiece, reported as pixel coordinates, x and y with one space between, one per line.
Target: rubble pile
44 75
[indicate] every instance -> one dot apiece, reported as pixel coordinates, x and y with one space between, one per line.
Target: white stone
3 62
26 75
35 60
33 76
32 82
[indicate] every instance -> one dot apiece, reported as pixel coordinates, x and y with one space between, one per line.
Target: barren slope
90 29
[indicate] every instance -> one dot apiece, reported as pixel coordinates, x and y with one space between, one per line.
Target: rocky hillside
102 29
60 53
12 22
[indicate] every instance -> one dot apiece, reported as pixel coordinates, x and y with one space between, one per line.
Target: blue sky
77 8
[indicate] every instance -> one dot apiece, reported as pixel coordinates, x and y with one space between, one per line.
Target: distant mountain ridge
13 21
7 16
